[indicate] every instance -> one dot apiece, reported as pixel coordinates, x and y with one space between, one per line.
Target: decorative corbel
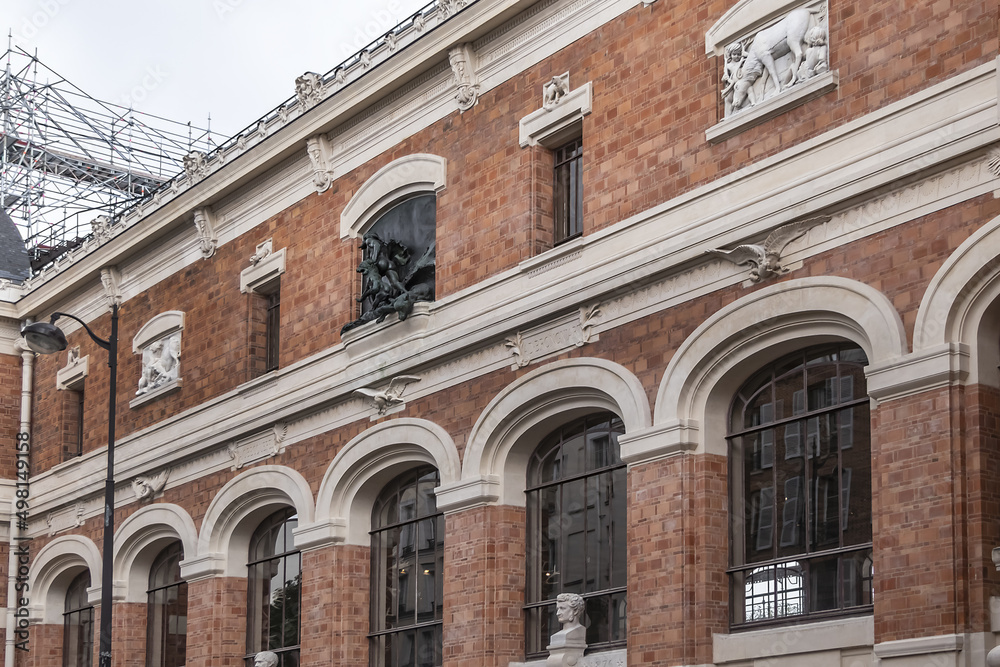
204 222
309 90
111 280
463 67
321 157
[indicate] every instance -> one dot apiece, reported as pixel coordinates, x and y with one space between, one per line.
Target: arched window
576 531
274 584
166 610
800 489
78 624
406 579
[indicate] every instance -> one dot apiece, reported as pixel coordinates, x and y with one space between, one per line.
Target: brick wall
217 611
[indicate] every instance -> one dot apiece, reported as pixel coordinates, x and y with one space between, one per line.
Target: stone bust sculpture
569 611
266 659
566 646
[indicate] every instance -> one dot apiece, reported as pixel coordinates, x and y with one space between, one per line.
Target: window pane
274 589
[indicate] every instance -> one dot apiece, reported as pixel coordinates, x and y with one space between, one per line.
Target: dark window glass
567 191
407 573
274 583
166 610
576 531
272 329
800 489
78 624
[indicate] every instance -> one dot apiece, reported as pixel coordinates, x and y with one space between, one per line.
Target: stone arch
364 466
398 180
52 571
507 431
235 513
139 540
693 397
962 305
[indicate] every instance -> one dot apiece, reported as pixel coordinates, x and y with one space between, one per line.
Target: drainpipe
27 372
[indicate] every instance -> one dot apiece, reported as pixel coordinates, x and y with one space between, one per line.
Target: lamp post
47 338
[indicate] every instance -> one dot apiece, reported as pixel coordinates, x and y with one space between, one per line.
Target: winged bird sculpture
391 396
765 259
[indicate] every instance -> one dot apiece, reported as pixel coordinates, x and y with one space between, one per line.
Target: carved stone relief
161 363
101 226
321 158
309 89
263 250
555 90
463 67
589 316
789 51
765 259
257 447
515 344
204 223
72 375
390 397
993 162
64 519
195 164
146 487
111 281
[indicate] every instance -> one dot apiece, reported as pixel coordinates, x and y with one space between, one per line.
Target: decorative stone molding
204 223
554 91
993 162
589 318
111 281
397 180
65 519
321 158
258 447
765 259
467 493
140 539
658 442
159 343
558 123
53 568
770 64
515 344
919 646
388 400
72 375
462 59
603 659
746 647
266 266
309 89
195 165
101 227
146 487
918 372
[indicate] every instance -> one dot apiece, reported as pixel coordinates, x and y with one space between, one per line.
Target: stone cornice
918 372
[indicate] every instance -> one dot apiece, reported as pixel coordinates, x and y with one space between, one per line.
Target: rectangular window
272 330
567 191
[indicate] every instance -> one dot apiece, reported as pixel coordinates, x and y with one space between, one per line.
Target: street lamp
47 338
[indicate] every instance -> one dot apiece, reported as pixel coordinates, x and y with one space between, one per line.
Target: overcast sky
184 59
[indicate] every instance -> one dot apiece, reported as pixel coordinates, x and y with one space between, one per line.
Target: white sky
184 59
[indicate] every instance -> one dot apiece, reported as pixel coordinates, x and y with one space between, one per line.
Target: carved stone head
569 609
266 659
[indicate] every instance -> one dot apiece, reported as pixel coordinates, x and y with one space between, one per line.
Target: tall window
567 191
272 329
274 583
800 489
78 624
166 610
576 531
407 582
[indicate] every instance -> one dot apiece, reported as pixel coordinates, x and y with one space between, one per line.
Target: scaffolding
68 158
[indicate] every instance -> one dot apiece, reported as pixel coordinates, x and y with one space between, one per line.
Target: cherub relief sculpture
391 281
787 52
160 363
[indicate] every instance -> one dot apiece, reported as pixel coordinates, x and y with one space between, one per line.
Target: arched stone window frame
140 539
420 173
54 568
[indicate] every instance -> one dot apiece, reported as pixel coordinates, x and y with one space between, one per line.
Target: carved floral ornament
769 61
309 89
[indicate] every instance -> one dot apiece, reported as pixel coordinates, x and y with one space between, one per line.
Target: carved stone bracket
195 165
463 67
321 158
204 223
111 280
309 89
390 399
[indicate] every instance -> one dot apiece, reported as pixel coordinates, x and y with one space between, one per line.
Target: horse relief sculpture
786 53
392 280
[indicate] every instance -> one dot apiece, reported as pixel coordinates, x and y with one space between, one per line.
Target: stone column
335 605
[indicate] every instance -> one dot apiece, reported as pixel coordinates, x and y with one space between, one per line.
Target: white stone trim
659 441
920 646
71 376
237 510
744 17
555 126
790 98
158 327
506 433
962 304
468 493
260 276
758 328
616 658
52 571
365 465
139 540
918 372
402 178
792 640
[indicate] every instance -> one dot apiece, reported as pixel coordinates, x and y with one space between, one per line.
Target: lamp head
44 338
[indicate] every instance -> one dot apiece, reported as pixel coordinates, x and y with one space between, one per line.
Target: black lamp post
47 338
